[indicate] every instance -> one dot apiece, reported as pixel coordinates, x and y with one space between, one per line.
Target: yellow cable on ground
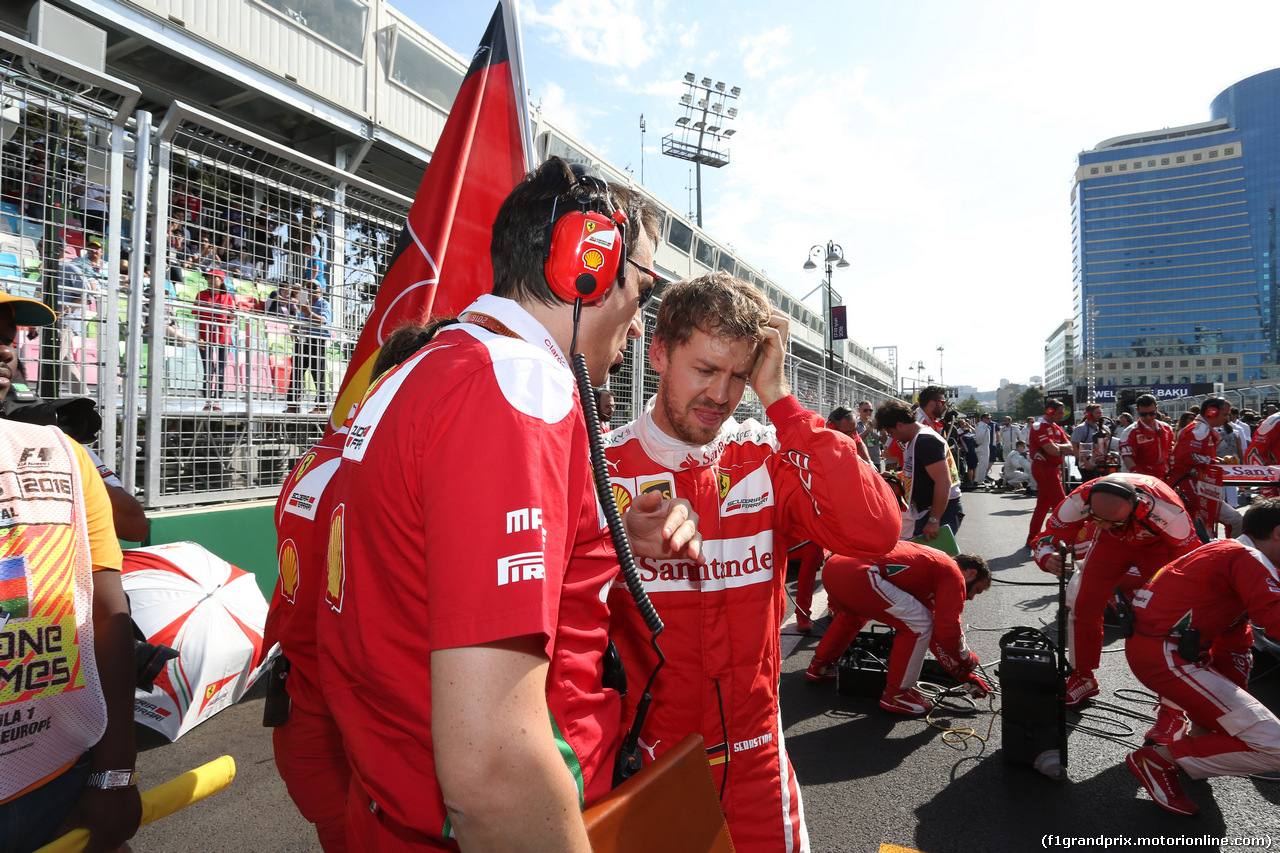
163 800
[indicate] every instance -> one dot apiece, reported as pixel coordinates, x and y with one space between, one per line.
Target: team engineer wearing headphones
507 666
463 628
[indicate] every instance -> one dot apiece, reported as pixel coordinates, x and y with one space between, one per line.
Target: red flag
441 262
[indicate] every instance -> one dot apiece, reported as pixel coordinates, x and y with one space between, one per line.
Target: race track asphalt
869 778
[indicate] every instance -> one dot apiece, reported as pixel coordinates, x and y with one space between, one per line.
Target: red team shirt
1197 445
1148 451
1042 433
464 513
300 556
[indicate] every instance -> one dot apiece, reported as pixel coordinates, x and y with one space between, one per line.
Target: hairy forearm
501 775
533 810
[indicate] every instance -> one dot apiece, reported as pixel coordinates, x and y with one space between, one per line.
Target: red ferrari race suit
308 747
1196 447
1210 591
463 513
810 557
1159 530
1046 470
755 492
1147 450
916 589
1264 449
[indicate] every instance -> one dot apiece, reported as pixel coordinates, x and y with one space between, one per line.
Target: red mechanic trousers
1049 493
1110 563
857 595
311 761
1244 736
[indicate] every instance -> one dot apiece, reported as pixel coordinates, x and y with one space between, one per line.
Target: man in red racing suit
921 592
1135 524
754 490
1264 448
1197 447
1213 592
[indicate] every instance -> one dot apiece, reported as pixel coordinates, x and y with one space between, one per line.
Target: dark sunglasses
1147 414
1107 522
646 293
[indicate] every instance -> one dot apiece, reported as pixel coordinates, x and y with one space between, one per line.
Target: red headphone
586 249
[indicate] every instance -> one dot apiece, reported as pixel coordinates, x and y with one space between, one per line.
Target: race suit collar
1252 546
509 313
672 453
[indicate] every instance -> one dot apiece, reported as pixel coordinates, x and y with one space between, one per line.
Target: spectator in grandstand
93 206
209 258
179 243
314 316
283 301
214 310
238 265
173 333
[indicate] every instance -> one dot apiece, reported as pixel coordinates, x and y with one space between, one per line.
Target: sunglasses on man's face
646 293
1109 523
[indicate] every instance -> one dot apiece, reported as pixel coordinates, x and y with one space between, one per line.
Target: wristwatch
933 520
109 779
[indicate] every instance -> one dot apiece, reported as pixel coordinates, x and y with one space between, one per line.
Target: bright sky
935 141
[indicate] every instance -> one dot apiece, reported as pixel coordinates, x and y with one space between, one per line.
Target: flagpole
516 52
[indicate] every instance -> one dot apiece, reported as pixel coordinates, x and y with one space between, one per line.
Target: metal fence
210 283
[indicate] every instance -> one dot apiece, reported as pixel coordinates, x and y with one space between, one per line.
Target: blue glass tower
1173 242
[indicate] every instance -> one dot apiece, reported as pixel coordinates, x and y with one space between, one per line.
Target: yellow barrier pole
163 800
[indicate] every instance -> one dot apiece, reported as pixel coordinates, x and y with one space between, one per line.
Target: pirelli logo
521 567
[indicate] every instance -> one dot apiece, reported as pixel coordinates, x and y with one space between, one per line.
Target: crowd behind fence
215 351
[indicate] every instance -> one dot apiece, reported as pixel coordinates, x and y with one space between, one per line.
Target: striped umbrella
213 613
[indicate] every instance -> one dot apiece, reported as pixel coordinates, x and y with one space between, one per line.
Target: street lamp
941 381
834 258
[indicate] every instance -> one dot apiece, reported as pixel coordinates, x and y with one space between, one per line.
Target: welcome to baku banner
441 261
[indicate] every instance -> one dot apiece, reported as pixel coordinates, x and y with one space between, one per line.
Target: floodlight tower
702 128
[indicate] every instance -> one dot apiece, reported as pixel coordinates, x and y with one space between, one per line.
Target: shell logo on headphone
593 259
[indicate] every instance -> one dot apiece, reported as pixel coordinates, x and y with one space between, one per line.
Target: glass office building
1173 248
